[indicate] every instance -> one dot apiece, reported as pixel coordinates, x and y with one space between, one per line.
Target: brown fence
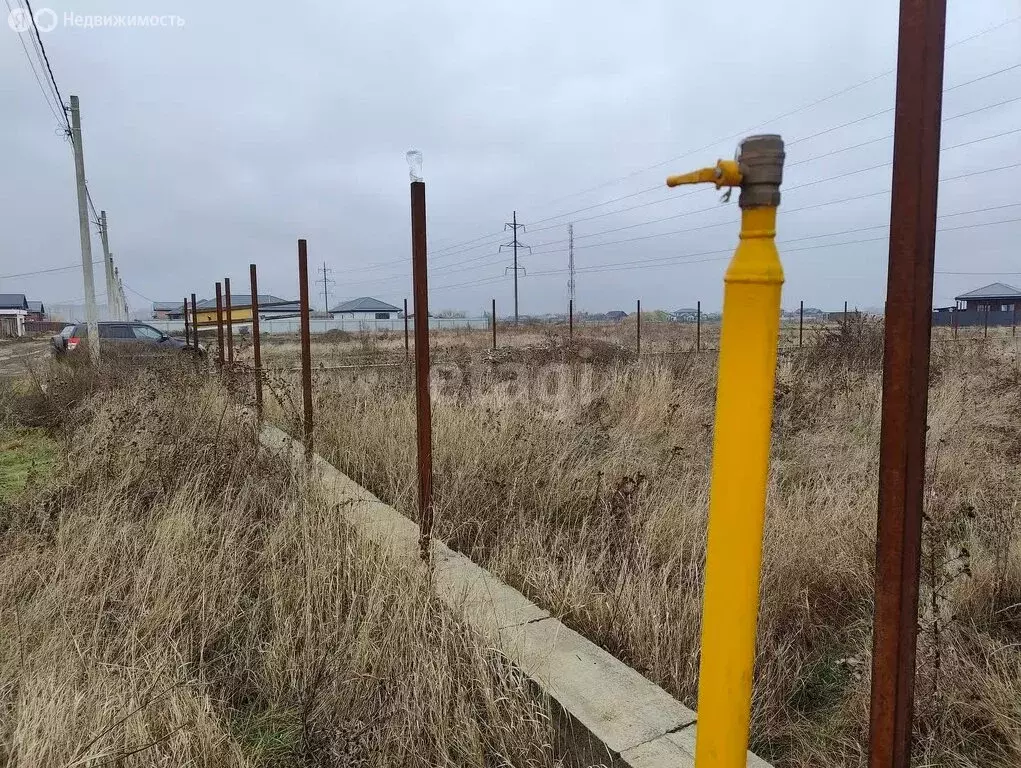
40 326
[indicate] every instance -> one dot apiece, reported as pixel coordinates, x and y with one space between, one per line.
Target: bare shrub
177 596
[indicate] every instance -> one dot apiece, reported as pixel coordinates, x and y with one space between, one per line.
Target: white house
13 313
366 308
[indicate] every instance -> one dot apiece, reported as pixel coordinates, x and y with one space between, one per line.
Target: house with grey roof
995 297
366 308
996 304
13 313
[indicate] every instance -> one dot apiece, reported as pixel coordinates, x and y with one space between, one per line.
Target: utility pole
570 263
326 283
112 298
515 244
121 296
83 231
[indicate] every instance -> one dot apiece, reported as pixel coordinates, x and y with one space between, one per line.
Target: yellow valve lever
726 173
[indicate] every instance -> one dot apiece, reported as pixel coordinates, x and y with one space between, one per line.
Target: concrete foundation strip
609 713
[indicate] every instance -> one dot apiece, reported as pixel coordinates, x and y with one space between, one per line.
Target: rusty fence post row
219 323
420 278
256 340
916 149
306 348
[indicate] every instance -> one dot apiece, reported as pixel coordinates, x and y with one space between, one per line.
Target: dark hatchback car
129 338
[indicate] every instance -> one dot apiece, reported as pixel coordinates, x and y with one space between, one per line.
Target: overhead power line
51 270
46 60
785 115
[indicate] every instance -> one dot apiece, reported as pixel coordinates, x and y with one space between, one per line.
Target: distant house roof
13 301
365 304
36 306
238 300
991 291
616 314
167 306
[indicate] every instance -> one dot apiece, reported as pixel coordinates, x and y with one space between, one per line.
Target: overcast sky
221 142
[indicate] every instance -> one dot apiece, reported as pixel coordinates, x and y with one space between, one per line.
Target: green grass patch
26 456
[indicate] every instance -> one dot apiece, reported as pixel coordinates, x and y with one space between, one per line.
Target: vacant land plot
172 595
582 478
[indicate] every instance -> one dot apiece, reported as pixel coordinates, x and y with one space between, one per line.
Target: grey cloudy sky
220 142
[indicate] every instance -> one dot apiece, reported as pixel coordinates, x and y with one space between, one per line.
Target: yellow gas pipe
744 409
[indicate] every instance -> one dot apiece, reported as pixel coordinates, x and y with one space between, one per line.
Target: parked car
131 338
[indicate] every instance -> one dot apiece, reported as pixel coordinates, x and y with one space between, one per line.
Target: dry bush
177 596
593 500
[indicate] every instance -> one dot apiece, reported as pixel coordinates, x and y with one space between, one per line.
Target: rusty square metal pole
423 403
187 325
195 321
570 319
801 324
219 323
230 321
493 323
985 324
306 348
698 327
256 341
638 329
407 344
916 146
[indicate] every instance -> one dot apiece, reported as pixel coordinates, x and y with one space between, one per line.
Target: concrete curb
610 714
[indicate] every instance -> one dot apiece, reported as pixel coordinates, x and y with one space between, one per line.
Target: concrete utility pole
515 244
112 289
83 231
122 297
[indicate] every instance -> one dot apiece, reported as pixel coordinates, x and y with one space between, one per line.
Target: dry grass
591 498
173 596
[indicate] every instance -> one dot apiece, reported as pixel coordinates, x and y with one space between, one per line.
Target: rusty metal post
955 322
570 319
230 321
407 345
801 324
219 323
985 323
256 341
187 329
423 403
638 329
195 321
1013 320
494 323
915 189
698 326
845 317
306 347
